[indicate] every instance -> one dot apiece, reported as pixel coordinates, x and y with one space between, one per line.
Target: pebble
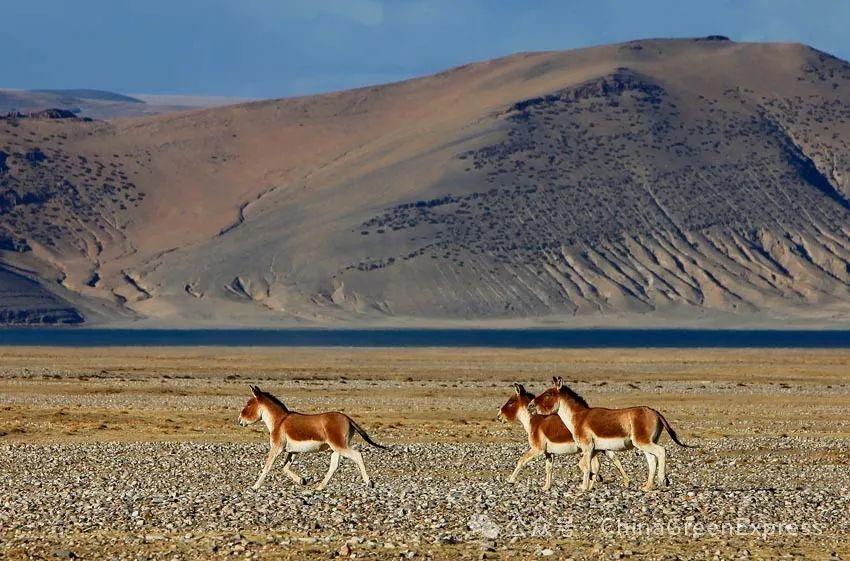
138 496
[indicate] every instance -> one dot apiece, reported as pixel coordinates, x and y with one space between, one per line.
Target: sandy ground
135 453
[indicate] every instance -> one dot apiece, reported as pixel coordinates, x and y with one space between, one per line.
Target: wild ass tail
359 430
672 433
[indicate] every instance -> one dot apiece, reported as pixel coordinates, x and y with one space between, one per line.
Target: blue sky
277 48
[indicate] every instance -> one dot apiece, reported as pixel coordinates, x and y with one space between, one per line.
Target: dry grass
408 394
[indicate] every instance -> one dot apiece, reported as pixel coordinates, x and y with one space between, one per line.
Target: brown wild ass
547 435
600 429
292 432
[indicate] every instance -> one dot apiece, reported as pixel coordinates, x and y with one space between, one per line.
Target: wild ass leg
594 469
616 461
273 452
661 456
527 457
652 465
331 470
355 455
581 463
587 458
549 462
287 469
644 438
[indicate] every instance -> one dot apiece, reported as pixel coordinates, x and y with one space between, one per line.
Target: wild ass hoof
626 483
647 487
370 484
255 486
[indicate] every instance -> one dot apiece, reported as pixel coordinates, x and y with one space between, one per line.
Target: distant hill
94 95
98 104
654 182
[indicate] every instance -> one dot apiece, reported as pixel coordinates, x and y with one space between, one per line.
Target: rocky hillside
658 182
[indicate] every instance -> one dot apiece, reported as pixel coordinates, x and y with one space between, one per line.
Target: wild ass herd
558 421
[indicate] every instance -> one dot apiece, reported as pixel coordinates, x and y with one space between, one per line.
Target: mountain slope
655 181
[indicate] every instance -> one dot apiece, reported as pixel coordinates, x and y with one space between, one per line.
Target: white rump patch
562 447
304 445
612 443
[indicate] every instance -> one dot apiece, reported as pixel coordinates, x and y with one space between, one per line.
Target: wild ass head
550 401
547 403
253 410
517 402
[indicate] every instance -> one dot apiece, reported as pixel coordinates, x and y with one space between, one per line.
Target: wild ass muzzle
599 429
291 432
547 435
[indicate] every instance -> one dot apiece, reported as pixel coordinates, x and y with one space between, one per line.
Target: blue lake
518 338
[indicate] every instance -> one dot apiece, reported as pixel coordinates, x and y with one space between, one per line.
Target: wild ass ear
255 390
518 388
557 381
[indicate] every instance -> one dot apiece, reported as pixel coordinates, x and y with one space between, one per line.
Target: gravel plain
93 469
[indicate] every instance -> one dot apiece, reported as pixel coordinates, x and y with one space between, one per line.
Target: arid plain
135 453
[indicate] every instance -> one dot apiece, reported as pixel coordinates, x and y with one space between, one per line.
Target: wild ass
547 435
600 429
292 432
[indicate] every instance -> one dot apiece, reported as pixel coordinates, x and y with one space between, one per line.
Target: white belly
304 445
562 448
612 443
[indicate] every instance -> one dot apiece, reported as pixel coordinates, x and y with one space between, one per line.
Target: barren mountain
652 182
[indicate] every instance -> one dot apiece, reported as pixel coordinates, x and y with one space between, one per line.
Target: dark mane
571 394
528 395
274 400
